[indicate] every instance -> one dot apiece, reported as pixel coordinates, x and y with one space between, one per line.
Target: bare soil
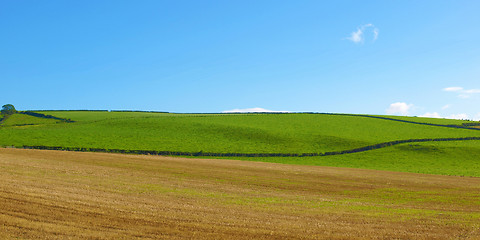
70 195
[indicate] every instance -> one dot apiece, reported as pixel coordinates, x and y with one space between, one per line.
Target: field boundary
33 114
405 121
212 154
41 115
464 126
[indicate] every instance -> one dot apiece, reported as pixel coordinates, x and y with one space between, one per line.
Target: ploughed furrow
59 195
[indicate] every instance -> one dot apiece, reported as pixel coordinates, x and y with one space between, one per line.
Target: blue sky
416 58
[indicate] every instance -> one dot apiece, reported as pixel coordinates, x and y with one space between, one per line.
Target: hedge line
464 126
79 110
471 124
210 154
84 110
137 111
40 115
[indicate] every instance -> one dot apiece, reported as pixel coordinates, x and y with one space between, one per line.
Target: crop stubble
55 194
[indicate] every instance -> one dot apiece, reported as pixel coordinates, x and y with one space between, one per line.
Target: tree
8 109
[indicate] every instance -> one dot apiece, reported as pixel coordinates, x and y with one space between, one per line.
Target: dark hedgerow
210 154
34 114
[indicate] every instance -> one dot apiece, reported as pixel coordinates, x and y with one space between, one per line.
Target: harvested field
55 194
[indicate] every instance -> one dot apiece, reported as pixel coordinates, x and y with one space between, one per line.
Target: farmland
259 133
397 191
459 158
283 133
59 195
23 120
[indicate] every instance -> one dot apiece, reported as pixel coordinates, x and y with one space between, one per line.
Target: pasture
243 133
395 192
458 158
256 134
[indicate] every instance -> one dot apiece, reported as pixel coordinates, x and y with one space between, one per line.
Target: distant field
256 133
99 115
442 121
259 133
64 195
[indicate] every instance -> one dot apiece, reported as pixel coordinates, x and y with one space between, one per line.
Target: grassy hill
26 120
443 121
459 158
63 195
259 133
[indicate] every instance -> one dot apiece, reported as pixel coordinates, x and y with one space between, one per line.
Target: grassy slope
23 119
442 121
71 195
459 158
98 115
264 133
286 133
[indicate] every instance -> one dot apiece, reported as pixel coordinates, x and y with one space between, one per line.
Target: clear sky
374 57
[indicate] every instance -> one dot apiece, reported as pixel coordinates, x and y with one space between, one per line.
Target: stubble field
55 194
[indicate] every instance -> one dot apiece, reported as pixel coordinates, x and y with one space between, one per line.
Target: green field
24 120
258 133
442 121
458 158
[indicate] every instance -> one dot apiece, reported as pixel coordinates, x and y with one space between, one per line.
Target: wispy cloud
472 91
358 36
399 108
458 116
446 106
375 34
431 115
453 89
251 110
477 117
452 116
462 93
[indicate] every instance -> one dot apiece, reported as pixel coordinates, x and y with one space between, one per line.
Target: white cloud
458 116
375 34
446 106
251 110
477 117
399 108
471 91
358 36
463 93
431 115
453 89
452 116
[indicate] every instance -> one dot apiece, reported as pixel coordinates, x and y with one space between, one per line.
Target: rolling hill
63 194
256 134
